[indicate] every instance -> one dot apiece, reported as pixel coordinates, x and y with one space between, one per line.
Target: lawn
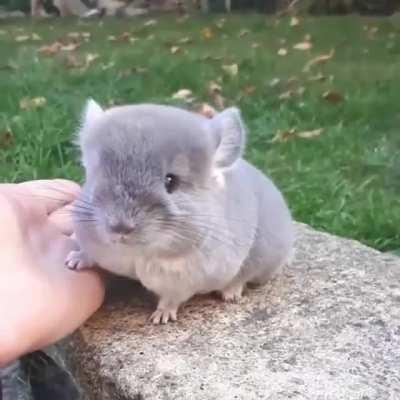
343 177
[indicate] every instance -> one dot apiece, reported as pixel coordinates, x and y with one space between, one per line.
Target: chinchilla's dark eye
171 182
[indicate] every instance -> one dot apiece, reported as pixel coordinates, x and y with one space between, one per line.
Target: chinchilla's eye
171 182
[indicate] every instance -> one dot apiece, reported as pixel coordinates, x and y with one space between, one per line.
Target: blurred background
317 81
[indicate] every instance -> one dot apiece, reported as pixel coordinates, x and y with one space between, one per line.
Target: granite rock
327 329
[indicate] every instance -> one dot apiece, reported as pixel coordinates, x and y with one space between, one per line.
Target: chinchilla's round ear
230 137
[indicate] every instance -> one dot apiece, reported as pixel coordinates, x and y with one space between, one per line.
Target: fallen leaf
150 22
151 37
69 47
332 96
6 138
22 38
111 38
183 94
321 59
124 37
231 70
185 40
307 37
91 58
286 95
282 52
27 103
243 32
86 35
207 33
175 49
206 110
294 21
255 45
274 82
107 66
220 23
303 46
35 37
283 136
249 89
310 134
74 35
50 49
317 78
300 90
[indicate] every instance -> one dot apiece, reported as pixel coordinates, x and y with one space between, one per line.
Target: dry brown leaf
183 94
69 47
6 138
303 46
255 45
321 59
22 38
294 21
150 22
317 78
124 37
175 49
111 38
282 52
86 35
249 89
27 103
310 134
206 110
50 49
283 136
207 33
243 32
333 96
232 70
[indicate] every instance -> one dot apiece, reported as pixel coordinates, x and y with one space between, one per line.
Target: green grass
346 181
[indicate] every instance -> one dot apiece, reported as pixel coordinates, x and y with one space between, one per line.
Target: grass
345 181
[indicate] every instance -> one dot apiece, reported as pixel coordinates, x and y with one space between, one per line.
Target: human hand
41 301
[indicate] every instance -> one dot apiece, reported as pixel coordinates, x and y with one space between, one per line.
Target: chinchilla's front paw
78 260
162 316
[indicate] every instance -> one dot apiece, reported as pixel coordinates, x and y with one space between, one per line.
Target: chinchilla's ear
92 112
90 115
230 137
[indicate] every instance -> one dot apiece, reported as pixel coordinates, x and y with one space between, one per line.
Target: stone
327 329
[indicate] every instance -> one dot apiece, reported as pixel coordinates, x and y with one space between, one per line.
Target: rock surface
327 329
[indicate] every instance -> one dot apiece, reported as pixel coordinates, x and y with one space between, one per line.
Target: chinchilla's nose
122 228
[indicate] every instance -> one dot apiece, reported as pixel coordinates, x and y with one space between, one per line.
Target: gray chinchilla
169 201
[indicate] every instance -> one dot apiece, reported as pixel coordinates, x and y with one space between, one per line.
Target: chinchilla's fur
169 201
